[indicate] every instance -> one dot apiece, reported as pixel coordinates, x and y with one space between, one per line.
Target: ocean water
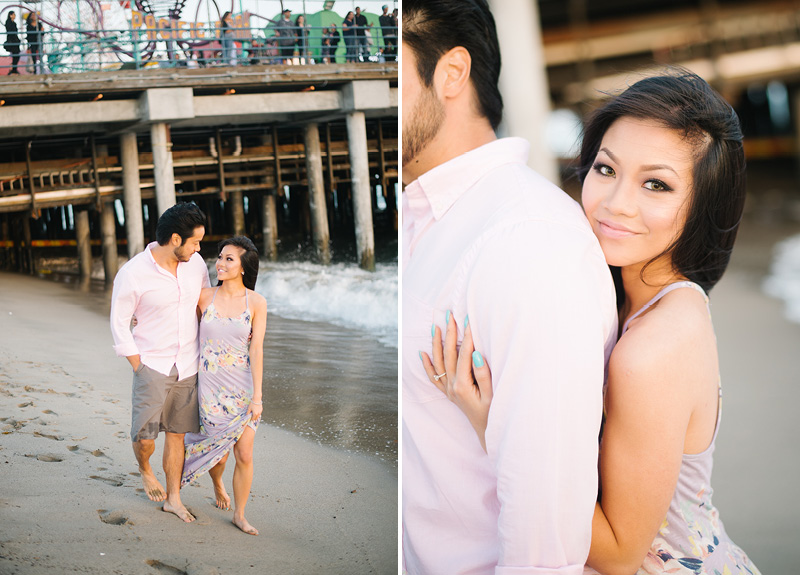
341 294
783 281
330 353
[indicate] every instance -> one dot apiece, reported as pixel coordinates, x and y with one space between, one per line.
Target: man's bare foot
178 510
153 489
223 500
245 526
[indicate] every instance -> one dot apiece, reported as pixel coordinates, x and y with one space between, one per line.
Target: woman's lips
614 230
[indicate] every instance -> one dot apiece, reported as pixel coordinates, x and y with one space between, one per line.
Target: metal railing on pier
69 51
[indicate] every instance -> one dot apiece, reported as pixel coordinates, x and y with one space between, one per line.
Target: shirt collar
439 188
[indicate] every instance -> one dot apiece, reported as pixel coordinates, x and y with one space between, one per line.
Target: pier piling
108 231
132 193
316 193
84 247
162 166
362 194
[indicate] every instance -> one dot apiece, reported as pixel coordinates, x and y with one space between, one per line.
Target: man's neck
165 258
452 142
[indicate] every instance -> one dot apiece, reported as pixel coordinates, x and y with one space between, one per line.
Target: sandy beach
71 498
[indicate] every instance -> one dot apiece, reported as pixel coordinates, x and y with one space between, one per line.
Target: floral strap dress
225 388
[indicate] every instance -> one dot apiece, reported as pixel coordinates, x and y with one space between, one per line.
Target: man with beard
160 287
496 253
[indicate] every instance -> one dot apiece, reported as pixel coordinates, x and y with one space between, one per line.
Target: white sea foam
342 294
784 279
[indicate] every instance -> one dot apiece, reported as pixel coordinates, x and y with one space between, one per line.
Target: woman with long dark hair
12 41
232 325
226 39
663 173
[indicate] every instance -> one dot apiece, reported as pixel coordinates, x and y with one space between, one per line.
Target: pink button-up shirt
165 308
485 236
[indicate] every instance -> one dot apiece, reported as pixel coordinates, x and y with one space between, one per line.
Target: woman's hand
463 376
254 410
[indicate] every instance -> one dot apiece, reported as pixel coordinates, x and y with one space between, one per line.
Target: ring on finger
438 377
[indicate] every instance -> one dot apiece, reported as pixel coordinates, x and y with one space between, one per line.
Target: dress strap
246 300
664 291
215 295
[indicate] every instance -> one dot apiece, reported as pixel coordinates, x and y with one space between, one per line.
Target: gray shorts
162 403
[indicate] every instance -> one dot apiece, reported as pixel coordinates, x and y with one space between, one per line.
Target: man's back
486 237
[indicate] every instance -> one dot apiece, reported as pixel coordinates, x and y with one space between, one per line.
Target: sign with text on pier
166 29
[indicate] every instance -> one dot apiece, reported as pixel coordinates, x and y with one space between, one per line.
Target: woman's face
637 192
12 15
300 20
229 263
349 16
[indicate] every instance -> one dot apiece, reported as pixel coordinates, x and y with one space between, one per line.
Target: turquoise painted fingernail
477 359
420 356
433 329
447 318
466 322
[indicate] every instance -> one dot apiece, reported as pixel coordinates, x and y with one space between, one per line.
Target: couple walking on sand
201 387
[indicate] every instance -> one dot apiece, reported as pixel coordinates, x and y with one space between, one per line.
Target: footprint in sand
113 517
164 568
48 457
48 436
110 480
13 425
25 404
100 453
73 447
49 412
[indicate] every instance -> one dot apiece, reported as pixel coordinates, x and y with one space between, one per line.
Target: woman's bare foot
153 489
244 526
223 500
178 510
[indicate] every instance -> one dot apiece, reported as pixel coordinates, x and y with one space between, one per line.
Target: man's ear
457 64
175 240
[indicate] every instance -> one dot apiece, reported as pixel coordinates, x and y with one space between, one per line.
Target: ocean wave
783 281
341 294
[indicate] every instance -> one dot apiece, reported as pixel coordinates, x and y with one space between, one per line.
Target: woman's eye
605 170
657 186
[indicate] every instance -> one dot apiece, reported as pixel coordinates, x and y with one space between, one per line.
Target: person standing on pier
35 37
227 35
389 32
349 34
488 239
160 287
12 41
330 44
362 28
284 29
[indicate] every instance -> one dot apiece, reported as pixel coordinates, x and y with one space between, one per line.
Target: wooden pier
271 151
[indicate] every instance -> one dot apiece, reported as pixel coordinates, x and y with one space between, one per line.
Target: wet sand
755 464
71 499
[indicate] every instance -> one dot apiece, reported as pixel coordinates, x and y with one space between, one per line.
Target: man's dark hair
182 219
433 27
682 101
249 259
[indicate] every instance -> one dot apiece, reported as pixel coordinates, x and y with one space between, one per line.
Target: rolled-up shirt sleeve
537 316
124 299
